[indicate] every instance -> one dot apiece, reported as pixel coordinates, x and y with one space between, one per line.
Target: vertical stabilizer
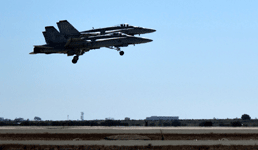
67 29
52 36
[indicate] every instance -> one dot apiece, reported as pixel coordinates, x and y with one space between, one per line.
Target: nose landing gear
75 59
121 53
118 49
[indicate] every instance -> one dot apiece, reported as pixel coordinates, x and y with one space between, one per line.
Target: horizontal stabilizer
43 49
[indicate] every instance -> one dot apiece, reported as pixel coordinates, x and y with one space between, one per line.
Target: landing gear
75 59
121 53
118 49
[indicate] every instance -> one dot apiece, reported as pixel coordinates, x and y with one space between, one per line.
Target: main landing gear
121 53
77 54
75 59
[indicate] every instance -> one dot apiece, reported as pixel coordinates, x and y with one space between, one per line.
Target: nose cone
145 40
148 30
149 40
152 30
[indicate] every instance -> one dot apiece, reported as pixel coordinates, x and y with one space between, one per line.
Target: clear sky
201 64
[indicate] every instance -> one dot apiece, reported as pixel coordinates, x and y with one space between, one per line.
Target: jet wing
89 34
126 31
101 29
75 42
107 29
43 46
46 50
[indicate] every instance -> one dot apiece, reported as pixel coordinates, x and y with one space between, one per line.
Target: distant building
109 118
162 118
37 118
19 119
127 118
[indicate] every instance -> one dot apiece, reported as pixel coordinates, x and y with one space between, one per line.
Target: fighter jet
69 41
124 28
68 30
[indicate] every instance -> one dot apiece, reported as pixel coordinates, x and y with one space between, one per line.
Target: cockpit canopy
124 25
129 26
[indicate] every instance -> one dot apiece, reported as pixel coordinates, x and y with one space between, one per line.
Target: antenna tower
82 113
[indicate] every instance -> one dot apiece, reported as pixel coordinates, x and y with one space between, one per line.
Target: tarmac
135 142
101 129
137 130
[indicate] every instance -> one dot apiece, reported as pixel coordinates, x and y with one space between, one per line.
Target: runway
187 137
135 142
100 129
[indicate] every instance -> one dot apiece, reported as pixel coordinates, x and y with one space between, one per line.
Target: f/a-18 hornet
72 42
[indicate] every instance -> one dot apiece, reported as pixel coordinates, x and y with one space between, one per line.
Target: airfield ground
85 137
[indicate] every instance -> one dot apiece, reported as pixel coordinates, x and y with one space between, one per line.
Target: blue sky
201 64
